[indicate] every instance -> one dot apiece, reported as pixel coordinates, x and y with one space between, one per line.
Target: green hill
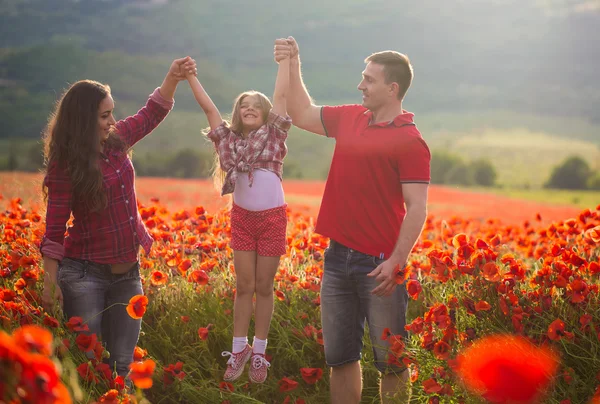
499 64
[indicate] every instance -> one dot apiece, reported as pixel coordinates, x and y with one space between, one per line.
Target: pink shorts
262 231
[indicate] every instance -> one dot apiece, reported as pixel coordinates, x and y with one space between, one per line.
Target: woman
89 174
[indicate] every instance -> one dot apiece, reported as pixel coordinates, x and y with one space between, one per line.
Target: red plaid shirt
113 235
263 148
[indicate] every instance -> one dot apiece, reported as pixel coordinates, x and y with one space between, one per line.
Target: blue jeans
88 289
346 302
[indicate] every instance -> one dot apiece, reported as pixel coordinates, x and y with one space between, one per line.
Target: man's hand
281 50
295 50
385 274
181 68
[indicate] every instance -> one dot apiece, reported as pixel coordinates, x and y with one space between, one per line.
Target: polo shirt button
130 217
135 233
106 160
127 201
118 171
122 186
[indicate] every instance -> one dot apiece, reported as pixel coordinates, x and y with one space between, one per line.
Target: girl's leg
245 267
266 268
245 279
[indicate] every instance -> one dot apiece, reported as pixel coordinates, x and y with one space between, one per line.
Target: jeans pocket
71 271
377 261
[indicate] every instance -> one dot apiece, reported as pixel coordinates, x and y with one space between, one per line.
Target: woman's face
106 120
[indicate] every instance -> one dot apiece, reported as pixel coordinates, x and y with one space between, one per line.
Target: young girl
89 174
250 151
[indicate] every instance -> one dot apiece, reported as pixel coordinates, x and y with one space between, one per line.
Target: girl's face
251 113
106 120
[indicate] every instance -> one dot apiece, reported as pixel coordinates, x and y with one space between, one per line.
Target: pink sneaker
236 363
258 368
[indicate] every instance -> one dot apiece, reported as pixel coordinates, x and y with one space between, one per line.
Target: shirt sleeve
136 127
414 161
333 117
58 212
219 133
281 124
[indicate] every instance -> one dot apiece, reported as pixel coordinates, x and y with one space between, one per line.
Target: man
373 211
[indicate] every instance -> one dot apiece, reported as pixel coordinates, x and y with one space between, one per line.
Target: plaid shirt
114 234
263 148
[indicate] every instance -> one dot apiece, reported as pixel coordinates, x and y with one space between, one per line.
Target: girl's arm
208 106
281 87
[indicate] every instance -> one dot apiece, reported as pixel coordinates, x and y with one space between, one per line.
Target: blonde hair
396 68
236 126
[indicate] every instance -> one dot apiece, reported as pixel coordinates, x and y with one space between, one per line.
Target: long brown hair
236 126
71 142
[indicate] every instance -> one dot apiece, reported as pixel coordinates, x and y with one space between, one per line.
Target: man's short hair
396 67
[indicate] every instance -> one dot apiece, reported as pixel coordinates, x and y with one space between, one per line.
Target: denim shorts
347 301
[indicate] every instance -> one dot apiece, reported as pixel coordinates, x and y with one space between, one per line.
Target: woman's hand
52 293
181 68
282 50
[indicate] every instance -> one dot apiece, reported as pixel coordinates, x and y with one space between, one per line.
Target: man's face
376 93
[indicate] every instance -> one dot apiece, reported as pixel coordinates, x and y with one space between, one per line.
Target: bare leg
245 269
393 388
346 384
266 268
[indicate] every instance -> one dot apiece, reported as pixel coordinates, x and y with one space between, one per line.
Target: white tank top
265 193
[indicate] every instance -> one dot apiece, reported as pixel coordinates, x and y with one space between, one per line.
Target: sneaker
258 368
236 363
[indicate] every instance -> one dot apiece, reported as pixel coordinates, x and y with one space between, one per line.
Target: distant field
523 157
305 197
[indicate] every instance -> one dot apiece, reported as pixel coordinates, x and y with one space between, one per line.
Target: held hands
385 274
182 68
285 48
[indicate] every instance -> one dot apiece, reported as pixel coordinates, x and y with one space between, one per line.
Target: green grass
582 199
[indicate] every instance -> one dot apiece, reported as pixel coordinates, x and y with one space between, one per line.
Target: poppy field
504 307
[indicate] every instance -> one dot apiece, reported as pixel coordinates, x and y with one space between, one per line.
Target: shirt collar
401 119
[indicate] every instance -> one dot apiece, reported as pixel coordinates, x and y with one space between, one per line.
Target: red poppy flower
556 331
86 342
141 373
311 375
33 338
413 287
491 272
225 386
139 354
506 368
158 278
287 384
110 397
199 276
431 386
203 333
442 350
77 324
482 306
137 306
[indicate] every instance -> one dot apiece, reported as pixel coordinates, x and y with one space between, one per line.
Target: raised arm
300 107
282 83
208 106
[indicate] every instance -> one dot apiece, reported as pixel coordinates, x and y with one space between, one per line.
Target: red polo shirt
363 206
